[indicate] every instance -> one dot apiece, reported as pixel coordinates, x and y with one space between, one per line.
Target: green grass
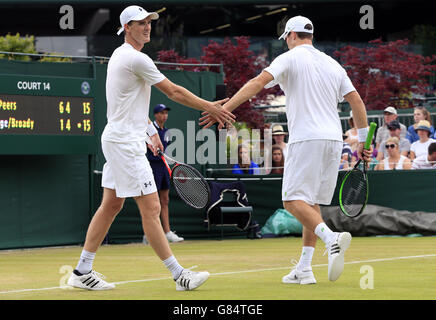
240 269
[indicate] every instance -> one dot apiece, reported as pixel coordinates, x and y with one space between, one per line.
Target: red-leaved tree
385 73
240 65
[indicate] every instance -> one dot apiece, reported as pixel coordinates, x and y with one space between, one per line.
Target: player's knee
152 211
113 207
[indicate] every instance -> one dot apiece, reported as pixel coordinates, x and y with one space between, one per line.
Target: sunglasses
392 146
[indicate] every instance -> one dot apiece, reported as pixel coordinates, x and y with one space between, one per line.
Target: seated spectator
426 161
245 165
374 162
420 147
278 136
389 114
394 160
346 154
278 161
352 134
395 131
420 113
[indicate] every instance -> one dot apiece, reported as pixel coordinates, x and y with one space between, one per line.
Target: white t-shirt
314 84
422 163
420 148
130 75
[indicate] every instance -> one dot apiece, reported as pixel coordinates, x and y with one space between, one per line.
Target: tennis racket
189 184
354 189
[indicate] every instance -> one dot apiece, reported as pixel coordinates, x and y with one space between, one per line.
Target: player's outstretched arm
250 89
183 96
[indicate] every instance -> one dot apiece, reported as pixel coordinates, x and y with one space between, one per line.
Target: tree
240 65
387 73
16 43
26 44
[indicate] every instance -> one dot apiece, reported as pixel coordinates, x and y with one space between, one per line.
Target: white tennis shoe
89 281
173 237
336 250
304 276
190 280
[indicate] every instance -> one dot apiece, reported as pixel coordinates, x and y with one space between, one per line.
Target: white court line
234 272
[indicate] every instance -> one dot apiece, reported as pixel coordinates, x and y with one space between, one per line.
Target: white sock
173 266
324 233
305 258
85 262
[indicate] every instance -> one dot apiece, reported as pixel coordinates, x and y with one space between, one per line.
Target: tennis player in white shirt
313 84
127 173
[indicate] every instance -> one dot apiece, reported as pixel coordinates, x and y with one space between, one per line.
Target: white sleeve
346 86
145 68
277 69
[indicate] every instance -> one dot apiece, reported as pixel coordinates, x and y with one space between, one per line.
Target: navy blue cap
160 107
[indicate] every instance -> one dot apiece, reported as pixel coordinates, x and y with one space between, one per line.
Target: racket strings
190 186
354 193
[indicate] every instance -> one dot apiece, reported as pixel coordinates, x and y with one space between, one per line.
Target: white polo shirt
314 84
130 75
420 148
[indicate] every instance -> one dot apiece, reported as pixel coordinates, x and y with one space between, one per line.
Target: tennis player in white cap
127 172
313 84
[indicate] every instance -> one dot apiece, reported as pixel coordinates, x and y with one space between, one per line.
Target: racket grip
371 131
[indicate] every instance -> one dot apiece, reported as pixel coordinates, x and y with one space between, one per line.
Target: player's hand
215 113
364 154
155 144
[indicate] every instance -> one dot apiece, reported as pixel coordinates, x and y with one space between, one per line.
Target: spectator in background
390 114
160 173
420 147
395 131
419 113
346 154
245 165
351 134
278 161
394 160
278 135
426 161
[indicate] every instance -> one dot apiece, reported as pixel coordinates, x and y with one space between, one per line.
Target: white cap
391 110
135 13
296 24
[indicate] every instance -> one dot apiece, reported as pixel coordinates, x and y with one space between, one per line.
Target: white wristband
362 134
151 129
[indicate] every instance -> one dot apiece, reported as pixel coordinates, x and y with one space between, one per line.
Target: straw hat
278 130
423 125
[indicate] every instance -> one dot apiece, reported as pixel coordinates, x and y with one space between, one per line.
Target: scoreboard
36 115
47 115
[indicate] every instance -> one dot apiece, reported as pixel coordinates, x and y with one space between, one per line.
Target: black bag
236 197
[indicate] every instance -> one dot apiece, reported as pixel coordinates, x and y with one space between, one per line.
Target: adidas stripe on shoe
336 250
89 281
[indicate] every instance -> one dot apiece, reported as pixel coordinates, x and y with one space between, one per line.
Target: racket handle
371 131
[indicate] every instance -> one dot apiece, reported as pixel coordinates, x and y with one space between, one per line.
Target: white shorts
127 169
311 171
